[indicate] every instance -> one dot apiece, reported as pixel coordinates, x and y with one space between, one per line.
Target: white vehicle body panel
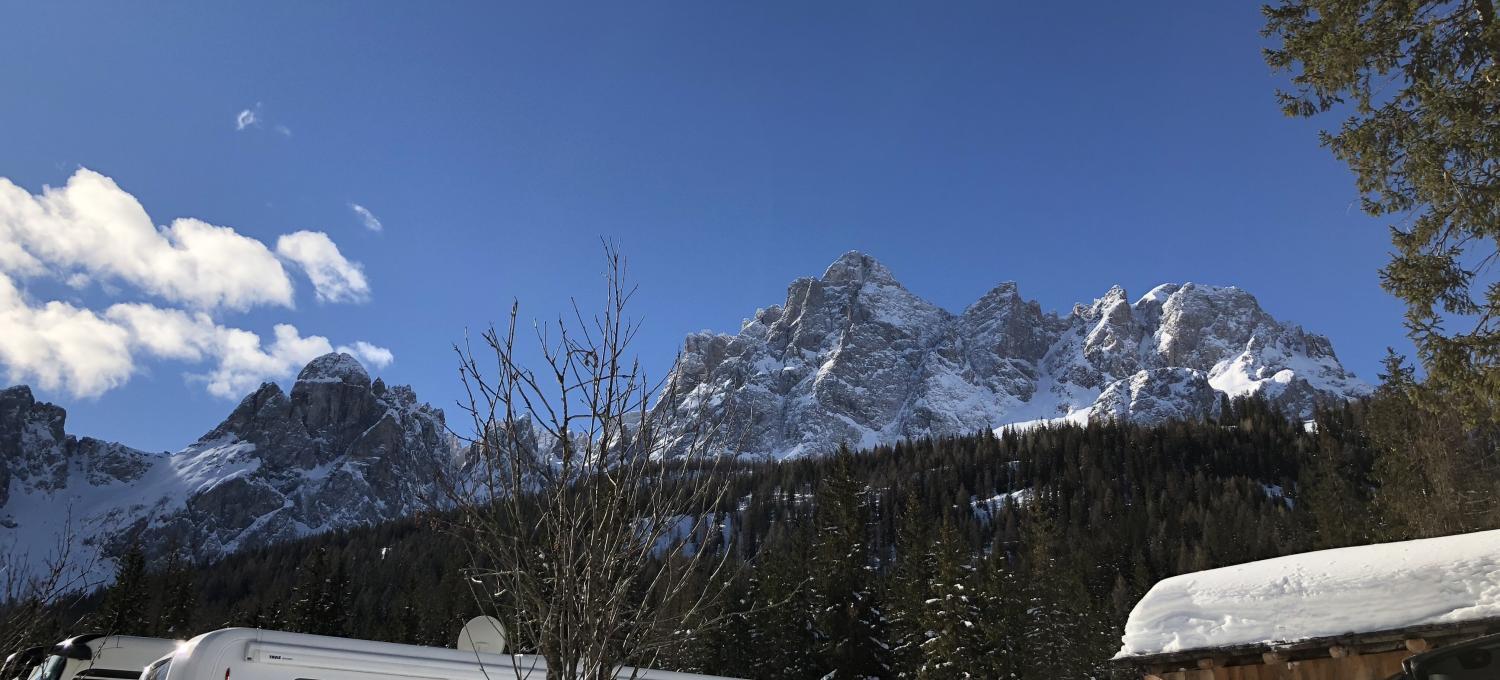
111 657
253 654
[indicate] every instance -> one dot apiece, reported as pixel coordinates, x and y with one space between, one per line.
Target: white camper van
101 657
252 654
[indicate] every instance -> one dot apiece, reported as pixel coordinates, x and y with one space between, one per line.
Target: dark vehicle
1477 659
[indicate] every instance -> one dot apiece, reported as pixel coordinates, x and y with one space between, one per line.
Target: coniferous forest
1017 555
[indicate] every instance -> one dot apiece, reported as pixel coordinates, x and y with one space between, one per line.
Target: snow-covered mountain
338 450
853 357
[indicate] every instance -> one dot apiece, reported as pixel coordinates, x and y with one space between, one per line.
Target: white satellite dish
482 634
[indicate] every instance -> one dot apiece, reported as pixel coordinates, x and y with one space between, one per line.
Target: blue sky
728 147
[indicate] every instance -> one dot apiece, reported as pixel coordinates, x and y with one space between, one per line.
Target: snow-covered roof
1327 593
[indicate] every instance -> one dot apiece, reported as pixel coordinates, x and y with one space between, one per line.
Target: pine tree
780 624
1003 612
954 648
126 601
907 590
1414 89
178 598
849 621
314 599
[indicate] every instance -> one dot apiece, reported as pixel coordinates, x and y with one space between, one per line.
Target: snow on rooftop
1363 589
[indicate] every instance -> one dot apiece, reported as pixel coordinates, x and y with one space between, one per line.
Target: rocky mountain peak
871 363
19 411
858 268
339 450
335 367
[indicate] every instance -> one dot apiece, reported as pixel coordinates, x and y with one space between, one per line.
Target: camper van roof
252 645
90 644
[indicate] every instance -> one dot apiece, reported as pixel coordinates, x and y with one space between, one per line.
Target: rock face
853 357
338 450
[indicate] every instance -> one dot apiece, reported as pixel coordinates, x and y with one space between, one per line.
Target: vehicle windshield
51 669
158 671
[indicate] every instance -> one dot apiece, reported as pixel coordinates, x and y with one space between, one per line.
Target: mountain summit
853 357
339 450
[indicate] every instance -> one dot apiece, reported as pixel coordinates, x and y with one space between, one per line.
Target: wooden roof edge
1473 627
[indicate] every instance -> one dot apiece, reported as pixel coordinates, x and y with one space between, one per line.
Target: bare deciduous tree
586 541
29 589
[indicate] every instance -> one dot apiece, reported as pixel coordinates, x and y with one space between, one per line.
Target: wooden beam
1274 657
1211 662
1417 645
1341 651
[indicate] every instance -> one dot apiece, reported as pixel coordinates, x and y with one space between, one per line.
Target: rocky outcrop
338 450
854 358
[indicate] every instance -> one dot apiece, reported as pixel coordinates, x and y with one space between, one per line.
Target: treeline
1017 555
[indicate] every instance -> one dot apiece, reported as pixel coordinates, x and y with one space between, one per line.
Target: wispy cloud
255 117
366 217
248 118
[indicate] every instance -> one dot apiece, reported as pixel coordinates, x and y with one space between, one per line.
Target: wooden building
1345 614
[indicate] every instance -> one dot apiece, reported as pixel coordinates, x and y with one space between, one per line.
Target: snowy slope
1362 589
338 450
853 357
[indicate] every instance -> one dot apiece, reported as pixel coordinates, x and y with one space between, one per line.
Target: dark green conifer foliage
177 597
906 590
1413 85
849 619
125 609
780 627
954 648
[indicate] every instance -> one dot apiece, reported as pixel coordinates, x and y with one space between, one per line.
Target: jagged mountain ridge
337 450
853 357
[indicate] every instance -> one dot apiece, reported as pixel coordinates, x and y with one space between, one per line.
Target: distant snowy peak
338 450
335 367
37 456
854 357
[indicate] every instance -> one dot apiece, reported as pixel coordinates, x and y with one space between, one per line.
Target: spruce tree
178 597
1413 87
849 620
907 589
954 648
126 602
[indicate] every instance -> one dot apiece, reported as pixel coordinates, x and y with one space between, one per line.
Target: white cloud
244 365
334 278
64 348
92 226
368 354
366 217
283 130
247 118
57 346
91 233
